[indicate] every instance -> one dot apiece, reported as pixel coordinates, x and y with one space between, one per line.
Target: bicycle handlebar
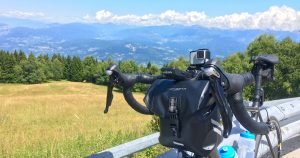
237 106
236 84
127 81
127 92
235 99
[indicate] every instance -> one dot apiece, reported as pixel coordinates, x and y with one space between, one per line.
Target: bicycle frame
258 100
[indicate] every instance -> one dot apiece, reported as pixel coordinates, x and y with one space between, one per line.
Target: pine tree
67 68
76 69
57 69
7 64
22 56
89 69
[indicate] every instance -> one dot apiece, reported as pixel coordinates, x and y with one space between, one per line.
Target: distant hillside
158 44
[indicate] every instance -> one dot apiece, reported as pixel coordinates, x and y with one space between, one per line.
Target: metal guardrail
128 148
287 111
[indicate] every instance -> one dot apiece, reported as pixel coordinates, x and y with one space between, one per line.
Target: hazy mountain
157 44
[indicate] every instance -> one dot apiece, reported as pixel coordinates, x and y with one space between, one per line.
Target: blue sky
256 14
78 8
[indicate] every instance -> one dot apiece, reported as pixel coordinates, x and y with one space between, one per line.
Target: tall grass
64 119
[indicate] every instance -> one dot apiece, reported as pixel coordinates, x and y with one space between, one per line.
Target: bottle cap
227 152
247 134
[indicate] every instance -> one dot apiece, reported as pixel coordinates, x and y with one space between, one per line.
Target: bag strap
174 116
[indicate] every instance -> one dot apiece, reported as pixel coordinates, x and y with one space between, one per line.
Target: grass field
64 119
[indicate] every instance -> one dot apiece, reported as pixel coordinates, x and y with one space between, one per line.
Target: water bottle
227 152
246 145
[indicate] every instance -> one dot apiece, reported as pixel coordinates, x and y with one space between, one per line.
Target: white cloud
40 16
275 18
22 14
103 15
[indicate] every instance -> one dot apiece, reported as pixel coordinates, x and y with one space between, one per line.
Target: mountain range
156 44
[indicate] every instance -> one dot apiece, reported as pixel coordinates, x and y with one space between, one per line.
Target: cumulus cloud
103 15
275 18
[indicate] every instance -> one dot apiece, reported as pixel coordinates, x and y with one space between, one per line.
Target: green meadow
66 119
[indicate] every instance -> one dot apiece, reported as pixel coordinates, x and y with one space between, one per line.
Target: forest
17 67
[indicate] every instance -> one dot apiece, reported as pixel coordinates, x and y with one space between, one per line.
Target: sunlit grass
64 119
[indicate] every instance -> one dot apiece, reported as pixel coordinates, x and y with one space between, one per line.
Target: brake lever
113 79
109 96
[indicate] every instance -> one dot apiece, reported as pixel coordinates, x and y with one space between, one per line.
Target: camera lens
200 54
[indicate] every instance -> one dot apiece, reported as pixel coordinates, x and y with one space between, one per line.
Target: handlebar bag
189 117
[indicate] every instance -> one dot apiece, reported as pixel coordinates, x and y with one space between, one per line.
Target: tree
287 72
46 65
101 77
67 68
19 56
76 70
18 74
153 70
148 65
236 63
57 56
57 69
7 64
264 44
32 71
89 69
128 66
22 56
180 63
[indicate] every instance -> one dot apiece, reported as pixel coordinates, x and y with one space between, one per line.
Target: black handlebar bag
189 117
